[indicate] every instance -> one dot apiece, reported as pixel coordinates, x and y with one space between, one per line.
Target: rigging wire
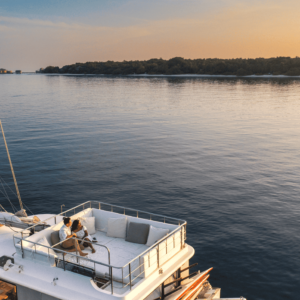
4 188
1 179
14 209
28 208
2 208
8 186
13 174
5 196
11 167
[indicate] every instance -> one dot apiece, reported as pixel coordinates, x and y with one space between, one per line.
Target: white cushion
44 242
117 227
89 223
9 217
102 216
155 234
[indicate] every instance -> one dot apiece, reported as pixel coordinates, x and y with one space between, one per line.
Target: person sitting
66 236
83 234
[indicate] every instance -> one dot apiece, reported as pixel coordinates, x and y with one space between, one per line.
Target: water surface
224 154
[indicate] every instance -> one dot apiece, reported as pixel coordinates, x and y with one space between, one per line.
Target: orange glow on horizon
241 31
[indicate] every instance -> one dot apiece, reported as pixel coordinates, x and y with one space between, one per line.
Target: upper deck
131 270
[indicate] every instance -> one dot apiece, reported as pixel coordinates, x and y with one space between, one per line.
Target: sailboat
139 256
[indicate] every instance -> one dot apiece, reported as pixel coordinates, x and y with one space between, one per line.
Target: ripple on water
221 153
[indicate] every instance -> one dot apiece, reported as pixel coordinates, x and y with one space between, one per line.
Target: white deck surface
121 253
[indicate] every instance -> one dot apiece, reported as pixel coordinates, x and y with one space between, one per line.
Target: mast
11 167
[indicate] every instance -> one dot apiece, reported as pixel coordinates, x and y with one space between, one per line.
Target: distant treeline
177 65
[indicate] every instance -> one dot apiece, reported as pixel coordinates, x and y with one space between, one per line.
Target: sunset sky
37 33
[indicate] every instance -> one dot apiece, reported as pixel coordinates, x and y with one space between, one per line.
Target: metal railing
121 210
125 280
83 241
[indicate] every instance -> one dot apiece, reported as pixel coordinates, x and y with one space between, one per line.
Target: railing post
90 204
137 214
130 275
55 219
99 205
112 285
111 208
166 246
22 246
158 255
181 238
76 250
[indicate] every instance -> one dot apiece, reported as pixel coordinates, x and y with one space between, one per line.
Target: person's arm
72 235
69 235
85 232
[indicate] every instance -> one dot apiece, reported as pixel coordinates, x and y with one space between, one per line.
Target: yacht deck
130 268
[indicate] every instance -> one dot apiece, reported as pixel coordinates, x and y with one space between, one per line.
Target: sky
39 33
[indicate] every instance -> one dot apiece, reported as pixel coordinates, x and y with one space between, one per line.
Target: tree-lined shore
178 65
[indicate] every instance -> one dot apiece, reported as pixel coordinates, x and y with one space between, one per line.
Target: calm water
222 154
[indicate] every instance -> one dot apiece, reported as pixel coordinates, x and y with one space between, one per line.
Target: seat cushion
89 223
116 227
55 239
137 233
155 234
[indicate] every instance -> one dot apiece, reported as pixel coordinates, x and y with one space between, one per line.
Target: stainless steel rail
137 211
82 240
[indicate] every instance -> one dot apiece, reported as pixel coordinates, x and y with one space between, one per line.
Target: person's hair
74 225
67 220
